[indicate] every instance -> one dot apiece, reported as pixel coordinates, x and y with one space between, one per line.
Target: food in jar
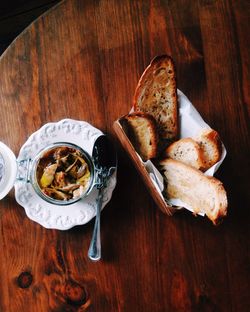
63 173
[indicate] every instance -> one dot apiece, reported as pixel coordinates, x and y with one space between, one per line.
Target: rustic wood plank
83 60
17 15
240 18
17 7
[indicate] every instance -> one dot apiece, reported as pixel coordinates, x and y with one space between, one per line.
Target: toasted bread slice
210 143
202 193
156 94
143 134
187 151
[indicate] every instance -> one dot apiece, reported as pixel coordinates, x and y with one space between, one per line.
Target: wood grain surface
15 15
82 60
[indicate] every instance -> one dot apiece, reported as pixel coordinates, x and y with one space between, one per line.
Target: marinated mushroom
63 173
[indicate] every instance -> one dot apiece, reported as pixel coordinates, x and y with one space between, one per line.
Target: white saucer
49 215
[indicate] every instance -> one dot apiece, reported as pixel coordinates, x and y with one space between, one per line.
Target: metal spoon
105 161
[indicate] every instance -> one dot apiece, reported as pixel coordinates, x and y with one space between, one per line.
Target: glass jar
26 170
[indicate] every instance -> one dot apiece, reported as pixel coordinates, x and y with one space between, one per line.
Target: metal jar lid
8 169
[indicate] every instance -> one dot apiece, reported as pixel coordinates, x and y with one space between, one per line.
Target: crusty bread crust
156 94
187 151
210 143
142 132
202 193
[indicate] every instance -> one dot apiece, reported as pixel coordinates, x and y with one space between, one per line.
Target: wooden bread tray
121 132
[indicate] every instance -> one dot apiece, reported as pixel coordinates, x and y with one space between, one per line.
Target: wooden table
82 60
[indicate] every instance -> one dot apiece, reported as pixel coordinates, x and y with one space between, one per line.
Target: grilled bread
187 151
202 193
201 152
210 143
142 132
156 94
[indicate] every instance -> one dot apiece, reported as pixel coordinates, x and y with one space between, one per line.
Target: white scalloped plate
49 215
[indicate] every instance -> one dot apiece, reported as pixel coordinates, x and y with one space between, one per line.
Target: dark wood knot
24 280
75 294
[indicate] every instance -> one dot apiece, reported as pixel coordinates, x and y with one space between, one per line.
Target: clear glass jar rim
35 183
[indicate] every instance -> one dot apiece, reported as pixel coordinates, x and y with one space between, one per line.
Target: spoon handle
94 252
